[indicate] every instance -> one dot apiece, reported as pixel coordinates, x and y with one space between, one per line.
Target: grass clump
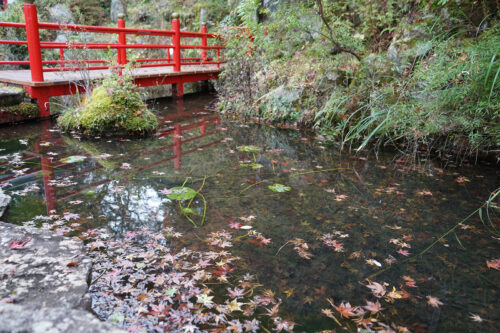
115 107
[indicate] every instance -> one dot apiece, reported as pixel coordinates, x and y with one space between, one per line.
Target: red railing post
33 37
122 40
176 42
5 4
61 57
203 42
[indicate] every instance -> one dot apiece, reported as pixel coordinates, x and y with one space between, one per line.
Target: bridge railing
173 56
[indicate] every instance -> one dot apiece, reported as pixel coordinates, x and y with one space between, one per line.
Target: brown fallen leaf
72 263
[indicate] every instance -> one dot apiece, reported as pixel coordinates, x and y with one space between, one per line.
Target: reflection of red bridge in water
41 82
48 164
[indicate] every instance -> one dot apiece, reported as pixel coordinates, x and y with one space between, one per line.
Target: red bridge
48 78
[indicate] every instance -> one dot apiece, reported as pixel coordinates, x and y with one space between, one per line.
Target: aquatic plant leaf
279 188
74 159
251 165
181 193
187 210
249 149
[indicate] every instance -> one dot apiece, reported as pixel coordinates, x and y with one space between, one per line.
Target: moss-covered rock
25 109
115 107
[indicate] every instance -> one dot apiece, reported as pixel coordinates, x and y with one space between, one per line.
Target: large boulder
60 13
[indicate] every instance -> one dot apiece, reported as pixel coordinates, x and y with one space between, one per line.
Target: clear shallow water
375 205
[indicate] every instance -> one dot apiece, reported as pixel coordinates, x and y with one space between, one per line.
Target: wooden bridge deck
23 77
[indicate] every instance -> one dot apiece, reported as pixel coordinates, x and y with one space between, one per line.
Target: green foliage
411 73
113 107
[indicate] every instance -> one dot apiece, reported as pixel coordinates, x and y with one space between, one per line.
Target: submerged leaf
249 149
74 159
251 165
279 188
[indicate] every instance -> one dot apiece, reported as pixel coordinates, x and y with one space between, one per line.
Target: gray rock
285 94
10 96
18 318
116 8
39 276
60 13
4 202
203 15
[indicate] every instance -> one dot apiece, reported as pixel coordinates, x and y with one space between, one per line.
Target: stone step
11 96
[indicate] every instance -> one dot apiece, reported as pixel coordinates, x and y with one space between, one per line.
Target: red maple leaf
20 244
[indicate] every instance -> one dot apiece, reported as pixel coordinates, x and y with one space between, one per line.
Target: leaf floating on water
476 318
433 301
493 264
181 193
74 159
249 149
373 262
279 188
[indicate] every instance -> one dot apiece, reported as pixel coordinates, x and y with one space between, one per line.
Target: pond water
346 217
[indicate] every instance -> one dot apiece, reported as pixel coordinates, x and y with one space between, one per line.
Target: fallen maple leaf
373 307
476 318
377 289
20 244
404 252
434 301
494 264
346 310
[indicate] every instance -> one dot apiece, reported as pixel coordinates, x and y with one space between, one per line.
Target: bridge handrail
32 27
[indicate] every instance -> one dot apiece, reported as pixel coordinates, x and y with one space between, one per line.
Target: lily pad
249 149
279 188
74 159
181 193
251 165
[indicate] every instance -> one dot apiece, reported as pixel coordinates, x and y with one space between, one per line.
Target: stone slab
16 318
4 203
10 96
51 272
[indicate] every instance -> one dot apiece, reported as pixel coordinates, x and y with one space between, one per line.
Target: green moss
114 107
25 109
